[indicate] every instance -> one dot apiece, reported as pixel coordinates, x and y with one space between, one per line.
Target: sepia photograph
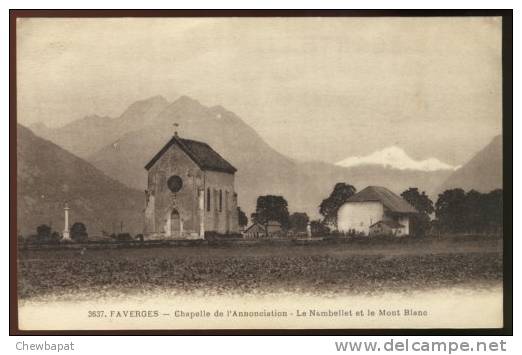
198 172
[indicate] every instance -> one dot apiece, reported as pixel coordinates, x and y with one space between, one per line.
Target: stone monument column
66 235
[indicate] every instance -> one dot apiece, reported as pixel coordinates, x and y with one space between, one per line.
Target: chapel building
190 191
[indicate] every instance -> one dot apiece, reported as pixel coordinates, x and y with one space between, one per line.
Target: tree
319 229
55 237
79 232
420 223
271 208
43 231
241 217
493 210
44 234
329 206
299 221
449 210
471 212
474 219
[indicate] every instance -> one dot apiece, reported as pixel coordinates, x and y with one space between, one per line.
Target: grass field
318 269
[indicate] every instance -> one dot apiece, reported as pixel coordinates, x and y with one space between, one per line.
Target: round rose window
175 183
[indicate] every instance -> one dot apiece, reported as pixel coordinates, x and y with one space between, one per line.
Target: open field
315 269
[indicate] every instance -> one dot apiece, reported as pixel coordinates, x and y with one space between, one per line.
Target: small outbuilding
388 228
271 229
255 231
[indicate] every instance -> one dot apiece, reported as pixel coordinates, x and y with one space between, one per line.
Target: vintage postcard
275 173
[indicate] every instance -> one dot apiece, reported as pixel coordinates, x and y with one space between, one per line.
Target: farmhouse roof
390 200
201 153
263 227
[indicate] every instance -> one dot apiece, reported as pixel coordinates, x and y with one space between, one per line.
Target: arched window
208 199
227 201
220 200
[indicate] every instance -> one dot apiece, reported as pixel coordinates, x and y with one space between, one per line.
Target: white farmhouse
372 205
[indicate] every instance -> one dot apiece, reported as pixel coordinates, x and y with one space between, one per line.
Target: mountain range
86 136
48 176
120 147
482 173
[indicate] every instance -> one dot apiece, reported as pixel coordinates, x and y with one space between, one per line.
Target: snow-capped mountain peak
396 158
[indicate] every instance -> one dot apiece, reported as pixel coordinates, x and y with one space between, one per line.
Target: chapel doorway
175 224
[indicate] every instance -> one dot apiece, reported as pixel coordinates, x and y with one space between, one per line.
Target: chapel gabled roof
201 153
390 200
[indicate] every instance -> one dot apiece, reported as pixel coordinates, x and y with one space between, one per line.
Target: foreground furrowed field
227 270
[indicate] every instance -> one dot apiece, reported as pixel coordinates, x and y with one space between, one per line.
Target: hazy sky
313 88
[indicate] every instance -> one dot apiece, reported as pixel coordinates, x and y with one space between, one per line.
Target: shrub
122 237
21 241
319 228
79 232
211 235
55 237
43 232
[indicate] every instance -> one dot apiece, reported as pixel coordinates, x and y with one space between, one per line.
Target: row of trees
45 234
77 233
455 211
469 212
275 208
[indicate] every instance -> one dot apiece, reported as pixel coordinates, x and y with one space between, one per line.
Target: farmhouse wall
359 216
